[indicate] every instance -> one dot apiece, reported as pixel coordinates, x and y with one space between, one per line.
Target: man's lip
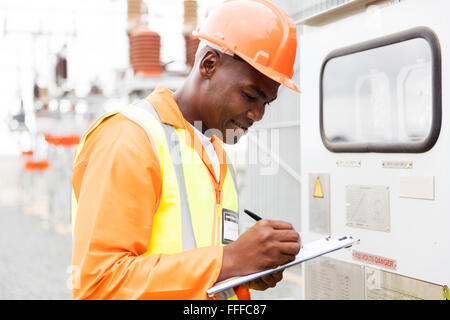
239 125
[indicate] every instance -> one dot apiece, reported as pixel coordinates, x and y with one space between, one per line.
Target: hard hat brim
267 71
270 73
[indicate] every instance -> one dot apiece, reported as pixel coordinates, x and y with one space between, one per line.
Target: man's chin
233 136
231 142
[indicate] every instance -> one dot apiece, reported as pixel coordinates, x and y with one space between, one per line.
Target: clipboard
307 252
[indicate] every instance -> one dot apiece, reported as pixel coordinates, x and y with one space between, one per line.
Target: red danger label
375 260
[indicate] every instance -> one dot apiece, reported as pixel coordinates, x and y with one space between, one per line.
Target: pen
253 215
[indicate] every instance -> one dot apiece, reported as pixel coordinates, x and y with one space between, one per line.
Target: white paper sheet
307 252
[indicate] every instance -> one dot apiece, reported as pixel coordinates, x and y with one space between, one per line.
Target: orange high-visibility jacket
117 186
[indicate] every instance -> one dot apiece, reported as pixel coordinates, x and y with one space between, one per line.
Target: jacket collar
166 107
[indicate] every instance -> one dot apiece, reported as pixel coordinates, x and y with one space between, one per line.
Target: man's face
237 95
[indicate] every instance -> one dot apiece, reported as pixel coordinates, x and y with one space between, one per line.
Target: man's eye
249 97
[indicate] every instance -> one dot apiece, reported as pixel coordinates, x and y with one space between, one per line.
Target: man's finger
280 225
287 235
289 248
272 279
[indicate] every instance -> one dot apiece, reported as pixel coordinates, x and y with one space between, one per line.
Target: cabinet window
383 95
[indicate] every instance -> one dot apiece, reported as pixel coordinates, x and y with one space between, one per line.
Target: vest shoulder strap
173 142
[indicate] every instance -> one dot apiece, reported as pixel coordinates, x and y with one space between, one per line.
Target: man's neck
186 102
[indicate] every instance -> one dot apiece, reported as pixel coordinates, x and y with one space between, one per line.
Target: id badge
230 226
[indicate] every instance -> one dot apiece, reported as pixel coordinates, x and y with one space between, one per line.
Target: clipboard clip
350 237
344 238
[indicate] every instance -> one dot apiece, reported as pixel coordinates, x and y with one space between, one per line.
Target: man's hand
266 245
265 282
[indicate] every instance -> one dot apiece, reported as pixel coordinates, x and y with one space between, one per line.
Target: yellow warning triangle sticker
318 193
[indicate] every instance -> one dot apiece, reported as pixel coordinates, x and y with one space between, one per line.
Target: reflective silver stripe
231 169
233 175
227 294
187 230
144 104
173 141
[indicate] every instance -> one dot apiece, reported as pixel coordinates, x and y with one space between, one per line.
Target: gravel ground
33 261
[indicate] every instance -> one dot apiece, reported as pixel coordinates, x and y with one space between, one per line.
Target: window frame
419 146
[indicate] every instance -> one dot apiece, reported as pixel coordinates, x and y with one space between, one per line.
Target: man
155 198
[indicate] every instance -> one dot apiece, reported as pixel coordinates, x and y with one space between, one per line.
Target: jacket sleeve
117 184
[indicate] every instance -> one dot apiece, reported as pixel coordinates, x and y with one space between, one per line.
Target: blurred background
63 63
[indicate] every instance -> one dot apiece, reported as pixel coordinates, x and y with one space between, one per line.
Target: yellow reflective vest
189 213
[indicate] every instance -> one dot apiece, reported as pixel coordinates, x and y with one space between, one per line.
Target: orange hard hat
257 31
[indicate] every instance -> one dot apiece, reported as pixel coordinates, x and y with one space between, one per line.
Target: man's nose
256 113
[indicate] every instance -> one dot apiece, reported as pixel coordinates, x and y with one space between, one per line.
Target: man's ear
209 64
